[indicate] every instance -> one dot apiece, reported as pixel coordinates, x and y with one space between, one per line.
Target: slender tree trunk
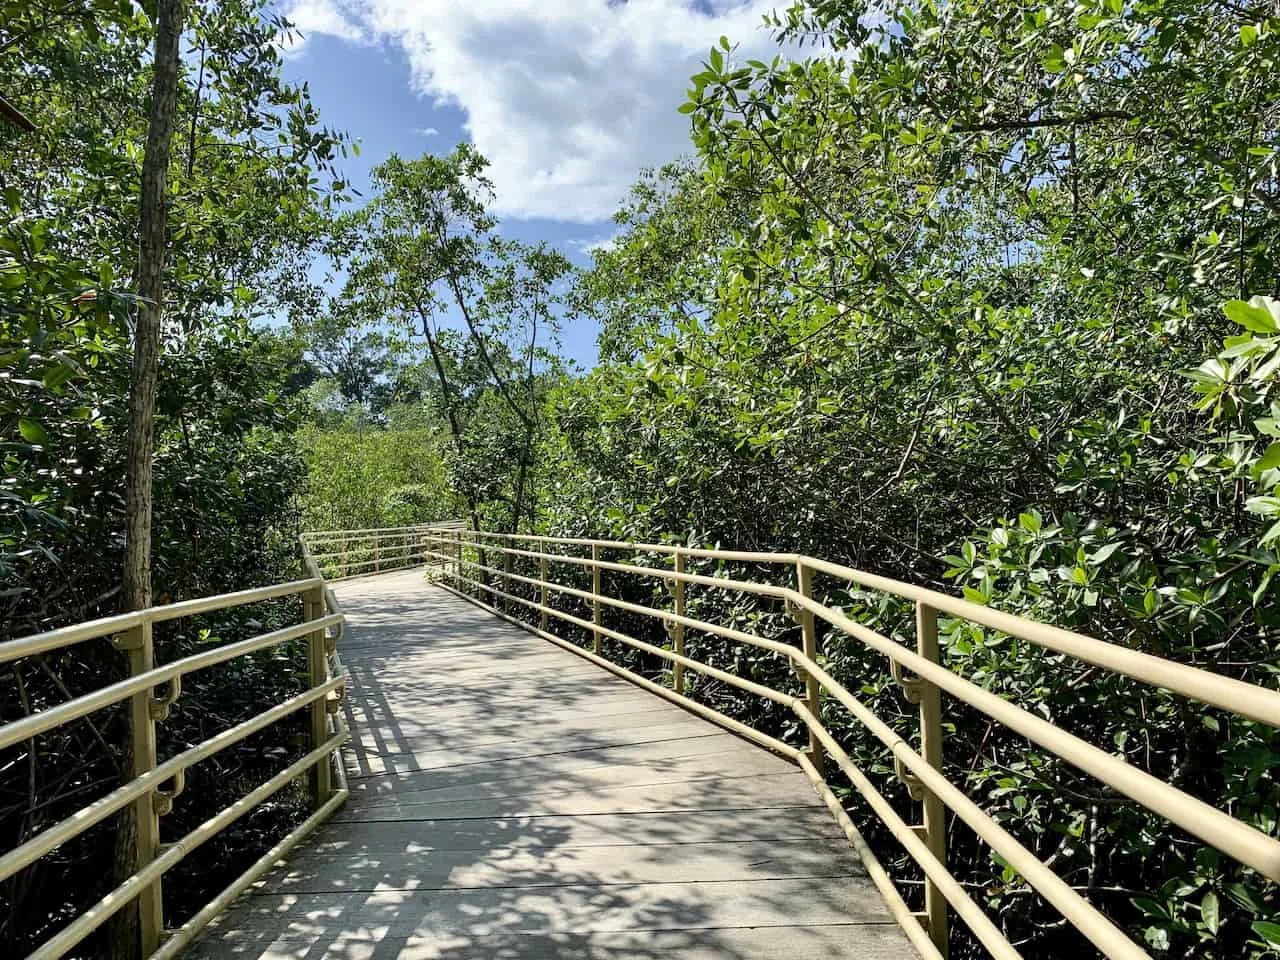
455 428
526 455
124 935
146 348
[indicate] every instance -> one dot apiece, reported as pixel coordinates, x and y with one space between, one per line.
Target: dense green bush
362 475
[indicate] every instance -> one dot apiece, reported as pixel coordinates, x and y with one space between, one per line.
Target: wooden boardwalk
513 801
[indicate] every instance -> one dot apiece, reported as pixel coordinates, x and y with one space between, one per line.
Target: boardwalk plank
513 801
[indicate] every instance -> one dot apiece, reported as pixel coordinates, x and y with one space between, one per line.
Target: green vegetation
250 179
971 295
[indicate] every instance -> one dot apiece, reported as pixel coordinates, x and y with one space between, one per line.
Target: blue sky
569 99
371 97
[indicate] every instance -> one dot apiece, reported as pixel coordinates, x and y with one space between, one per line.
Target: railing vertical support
677 628
317 660
809 635
506 582
595 596
935 828
542 592
377 553
457 560
139 646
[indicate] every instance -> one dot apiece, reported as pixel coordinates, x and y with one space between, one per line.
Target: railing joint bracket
158 707
128 640
162 800
911 686
915 788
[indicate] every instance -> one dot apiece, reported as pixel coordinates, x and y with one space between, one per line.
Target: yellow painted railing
150 691
340 554
466 564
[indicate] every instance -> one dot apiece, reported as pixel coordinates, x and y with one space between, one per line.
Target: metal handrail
313 537
154 785
923 678
391 548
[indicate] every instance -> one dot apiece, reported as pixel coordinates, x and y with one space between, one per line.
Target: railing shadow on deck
388 894
478 566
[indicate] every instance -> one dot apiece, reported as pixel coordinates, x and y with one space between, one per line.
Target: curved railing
465 561
150 691
340 554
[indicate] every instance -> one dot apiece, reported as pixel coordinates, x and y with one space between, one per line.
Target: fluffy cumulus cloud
323 16
569 99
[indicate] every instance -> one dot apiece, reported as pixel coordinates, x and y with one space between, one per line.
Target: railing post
595 597
137 643
934 825
377 553
677 628
506 582
542 592
317 660
809 635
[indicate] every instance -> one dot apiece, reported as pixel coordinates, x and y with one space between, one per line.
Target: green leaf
1272 534
55 377
1243 896
1271 459
1258 315
1209 911
32 431
1268 931
1158 937
1100 555
1149 907
1266 506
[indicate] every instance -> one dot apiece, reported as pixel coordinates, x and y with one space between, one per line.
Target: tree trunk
125 943
146 348
455 429
526 455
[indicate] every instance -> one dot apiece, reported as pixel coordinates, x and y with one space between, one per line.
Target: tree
428 250
250 173
151 289
126 938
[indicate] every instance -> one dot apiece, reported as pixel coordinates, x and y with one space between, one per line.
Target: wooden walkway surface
513 801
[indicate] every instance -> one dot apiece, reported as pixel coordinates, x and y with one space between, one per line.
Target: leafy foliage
252 176
363 475
933 292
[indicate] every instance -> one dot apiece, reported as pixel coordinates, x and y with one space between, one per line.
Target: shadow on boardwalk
512 801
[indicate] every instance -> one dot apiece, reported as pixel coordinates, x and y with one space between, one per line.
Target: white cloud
426 131
598 244
322 16
569 99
